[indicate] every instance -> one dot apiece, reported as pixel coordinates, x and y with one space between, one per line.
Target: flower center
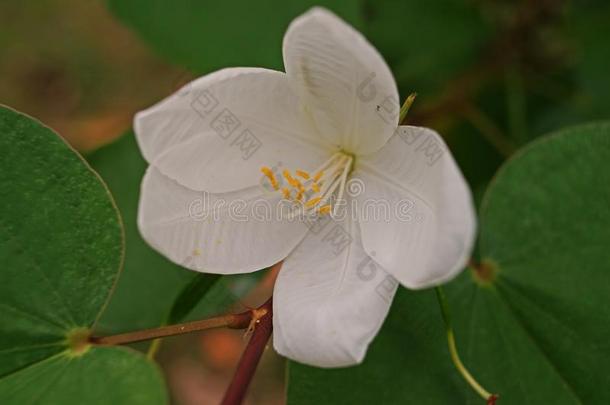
313 192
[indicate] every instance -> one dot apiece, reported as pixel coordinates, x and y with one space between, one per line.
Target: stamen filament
344 178
311 203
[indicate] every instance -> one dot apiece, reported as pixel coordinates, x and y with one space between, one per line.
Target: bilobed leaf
544 317
532 323
101 376
208 35
61 249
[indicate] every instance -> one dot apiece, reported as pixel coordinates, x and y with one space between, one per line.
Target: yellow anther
303 174
318 176
299 195
315 187
286 193
269 173
325 209
291 180
312 202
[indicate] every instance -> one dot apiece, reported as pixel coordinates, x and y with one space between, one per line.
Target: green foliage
208 35
426 43
101 376
537 333
531 321
61 250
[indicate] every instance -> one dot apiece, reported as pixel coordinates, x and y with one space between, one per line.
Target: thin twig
234 321
263 326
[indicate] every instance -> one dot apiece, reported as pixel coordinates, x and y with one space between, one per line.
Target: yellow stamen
318 176
325 209
315 187
269 173
303 174
312 202
286 193
299 195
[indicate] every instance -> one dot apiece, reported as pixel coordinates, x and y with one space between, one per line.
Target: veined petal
431 230
330 298
216 133
227 233
345 83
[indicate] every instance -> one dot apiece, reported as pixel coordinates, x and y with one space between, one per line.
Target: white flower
333 116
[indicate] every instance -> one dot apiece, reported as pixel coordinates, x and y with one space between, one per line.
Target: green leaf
532 322
61 247
149 282
544 241
209 35
112 375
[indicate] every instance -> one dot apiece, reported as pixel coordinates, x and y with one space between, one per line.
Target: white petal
343 80
214 233
330 298
217 132
430 233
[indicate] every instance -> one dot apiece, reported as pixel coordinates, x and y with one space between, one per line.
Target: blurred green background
490 76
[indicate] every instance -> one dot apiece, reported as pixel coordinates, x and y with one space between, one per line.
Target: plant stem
234 321
251 356
442 301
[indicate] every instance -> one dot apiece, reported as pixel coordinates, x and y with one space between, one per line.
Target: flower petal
217 132
330 298
214 233
344 81
431 230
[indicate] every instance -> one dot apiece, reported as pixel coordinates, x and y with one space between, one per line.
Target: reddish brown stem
235 321
263 327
